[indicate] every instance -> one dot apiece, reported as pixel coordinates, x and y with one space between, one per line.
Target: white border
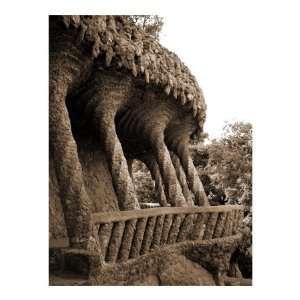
24 147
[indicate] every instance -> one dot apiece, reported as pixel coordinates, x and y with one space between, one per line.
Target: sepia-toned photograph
149 149
139 192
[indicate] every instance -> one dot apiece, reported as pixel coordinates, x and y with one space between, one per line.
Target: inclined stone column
180 147
182 179
63 149
153 167
112 92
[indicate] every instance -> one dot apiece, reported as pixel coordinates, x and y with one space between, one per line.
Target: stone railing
126 235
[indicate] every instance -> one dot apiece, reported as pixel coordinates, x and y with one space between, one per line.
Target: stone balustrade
126 235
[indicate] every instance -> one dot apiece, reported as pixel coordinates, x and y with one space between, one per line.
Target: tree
230 163
150 24
230 169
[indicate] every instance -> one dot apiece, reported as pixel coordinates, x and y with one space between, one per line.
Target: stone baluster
148 236
199 226
220 225
138 238
115 242
104 237
157 232
166 228
126 244
210 228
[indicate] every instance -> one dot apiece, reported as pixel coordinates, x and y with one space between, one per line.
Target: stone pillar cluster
101 93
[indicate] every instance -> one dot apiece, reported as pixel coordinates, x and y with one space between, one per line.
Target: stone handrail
125 235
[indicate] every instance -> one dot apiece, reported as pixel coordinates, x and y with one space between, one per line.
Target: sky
215 46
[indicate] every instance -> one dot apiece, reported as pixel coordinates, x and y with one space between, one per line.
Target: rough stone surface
192 263
167 268
98 184
97 177
57 225
215 257
182 271
115 95
75 43
119 42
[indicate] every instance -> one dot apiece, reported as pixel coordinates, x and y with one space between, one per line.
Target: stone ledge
231 281
80 267
76 261
117 216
